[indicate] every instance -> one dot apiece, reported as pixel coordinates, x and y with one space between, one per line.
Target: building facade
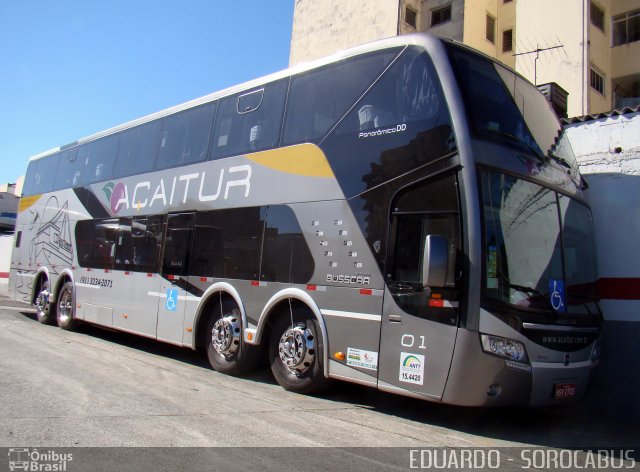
590 48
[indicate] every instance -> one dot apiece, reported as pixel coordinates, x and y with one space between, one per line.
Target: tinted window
228 243
427 209
69 169
285 256
98 158
402 123
29 178
96 243
137 149
319 98
44 174
138 244
502 106
185 137
249 121
177 244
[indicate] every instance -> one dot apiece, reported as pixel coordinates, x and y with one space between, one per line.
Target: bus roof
395 41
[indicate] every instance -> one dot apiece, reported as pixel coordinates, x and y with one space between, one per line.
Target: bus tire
43 308
226 350
65 308
296 353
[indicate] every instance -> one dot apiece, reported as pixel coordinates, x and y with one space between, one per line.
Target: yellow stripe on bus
27 202
302 159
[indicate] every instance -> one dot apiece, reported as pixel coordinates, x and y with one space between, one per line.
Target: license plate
565 390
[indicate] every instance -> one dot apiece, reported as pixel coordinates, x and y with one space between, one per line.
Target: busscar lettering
349 279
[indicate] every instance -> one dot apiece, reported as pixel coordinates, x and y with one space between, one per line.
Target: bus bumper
480 379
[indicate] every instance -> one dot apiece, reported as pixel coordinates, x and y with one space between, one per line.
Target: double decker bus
404 215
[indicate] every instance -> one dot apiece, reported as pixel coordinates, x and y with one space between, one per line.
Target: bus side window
69 169
98 157
96 241
124 245
137 149
185 137
426 209
319 98
43 177
177 244
249 121
146 238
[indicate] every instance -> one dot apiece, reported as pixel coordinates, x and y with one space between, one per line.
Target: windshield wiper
533 291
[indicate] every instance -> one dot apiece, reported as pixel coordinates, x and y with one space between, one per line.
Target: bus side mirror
435 261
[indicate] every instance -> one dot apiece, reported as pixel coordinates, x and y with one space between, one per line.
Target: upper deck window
249 121
185 137
319 98
401 123
502 106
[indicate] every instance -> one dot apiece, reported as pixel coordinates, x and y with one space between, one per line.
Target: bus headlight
503 347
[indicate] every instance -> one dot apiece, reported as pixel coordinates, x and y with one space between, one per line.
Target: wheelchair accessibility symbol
172 299
556 295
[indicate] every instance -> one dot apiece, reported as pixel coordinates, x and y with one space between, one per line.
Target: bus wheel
226 350
43 309
295 354
65 308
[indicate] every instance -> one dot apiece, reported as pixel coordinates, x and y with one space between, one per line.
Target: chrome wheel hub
42 301
225 335
65 306
297 349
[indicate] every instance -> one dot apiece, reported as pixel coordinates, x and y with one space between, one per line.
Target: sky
71 68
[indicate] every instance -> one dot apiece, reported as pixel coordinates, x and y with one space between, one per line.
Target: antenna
537 52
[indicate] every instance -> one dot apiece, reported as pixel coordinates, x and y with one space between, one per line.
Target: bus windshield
539 247
503 107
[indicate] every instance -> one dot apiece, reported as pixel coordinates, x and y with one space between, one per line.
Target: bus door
420 317
174 273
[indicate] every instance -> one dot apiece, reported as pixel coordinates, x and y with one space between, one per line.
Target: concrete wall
322 27
608 152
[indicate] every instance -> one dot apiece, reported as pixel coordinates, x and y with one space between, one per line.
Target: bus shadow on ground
569 426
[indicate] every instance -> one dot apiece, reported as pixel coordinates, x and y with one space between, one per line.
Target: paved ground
103 388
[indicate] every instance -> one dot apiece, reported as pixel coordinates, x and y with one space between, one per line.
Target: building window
507 40
491 29
441 15
597 16
597 81
626 28
411 17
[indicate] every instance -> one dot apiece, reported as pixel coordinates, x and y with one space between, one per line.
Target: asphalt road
102 388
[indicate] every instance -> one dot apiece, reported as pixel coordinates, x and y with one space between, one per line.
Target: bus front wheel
65 312
295 354
226 350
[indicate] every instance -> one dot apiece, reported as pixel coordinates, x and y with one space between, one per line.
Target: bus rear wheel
43 308
65 310
226 350
296 354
